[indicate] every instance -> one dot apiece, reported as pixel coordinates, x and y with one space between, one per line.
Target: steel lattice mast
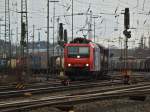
24 29
24 37
7 51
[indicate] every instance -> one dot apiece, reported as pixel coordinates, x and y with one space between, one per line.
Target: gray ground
121 105
118 105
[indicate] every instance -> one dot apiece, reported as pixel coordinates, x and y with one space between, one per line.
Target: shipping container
35 62
13 63
3 64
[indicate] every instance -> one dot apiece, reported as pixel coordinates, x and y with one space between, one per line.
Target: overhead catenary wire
97 6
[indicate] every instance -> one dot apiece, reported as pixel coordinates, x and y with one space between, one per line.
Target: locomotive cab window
74 51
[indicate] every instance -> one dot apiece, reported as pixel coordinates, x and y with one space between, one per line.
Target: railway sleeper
66 108
138 98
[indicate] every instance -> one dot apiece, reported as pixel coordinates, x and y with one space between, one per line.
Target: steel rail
38 85
27 86
73 101
76 98
19 93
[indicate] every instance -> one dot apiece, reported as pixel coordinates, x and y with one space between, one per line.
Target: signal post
127 34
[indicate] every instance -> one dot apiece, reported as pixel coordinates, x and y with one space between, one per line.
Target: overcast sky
109 25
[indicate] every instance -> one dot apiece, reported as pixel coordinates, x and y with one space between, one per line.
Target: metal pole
21 46
120 44
9 34
94 29
33 41
27 39
149 42
47 40
16 41
90 26
121 50
126 53
39 35
5 30
108 56
39 42
0 36
72 19
126 59
0 28
53 27
53 1
53 33
7 26
24 33
10 50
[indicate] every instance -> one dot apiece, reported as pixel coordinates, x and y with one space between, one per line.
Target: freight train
84 59
134 64
38 63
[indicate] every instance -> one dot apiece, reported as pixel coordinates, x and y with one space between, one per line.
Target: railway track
50 87
20 86
55 88
83 97
27 86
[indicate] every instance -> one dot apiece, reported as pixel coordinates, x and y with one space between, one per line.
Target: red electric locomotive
84 59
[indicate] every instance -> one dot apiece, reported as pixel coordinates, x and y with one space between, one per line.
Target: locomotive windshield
74 51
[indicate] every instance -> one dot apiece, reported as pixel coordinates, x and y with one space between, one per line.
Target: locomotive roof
81 40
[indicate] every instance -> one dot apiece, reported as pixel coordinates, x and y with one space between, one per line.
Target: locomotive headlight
87 65
78 56
69 65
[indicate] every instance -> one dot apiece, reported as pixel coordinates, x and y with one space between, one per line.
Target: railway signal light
62 36
127 33
61 33
126 18
65 36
